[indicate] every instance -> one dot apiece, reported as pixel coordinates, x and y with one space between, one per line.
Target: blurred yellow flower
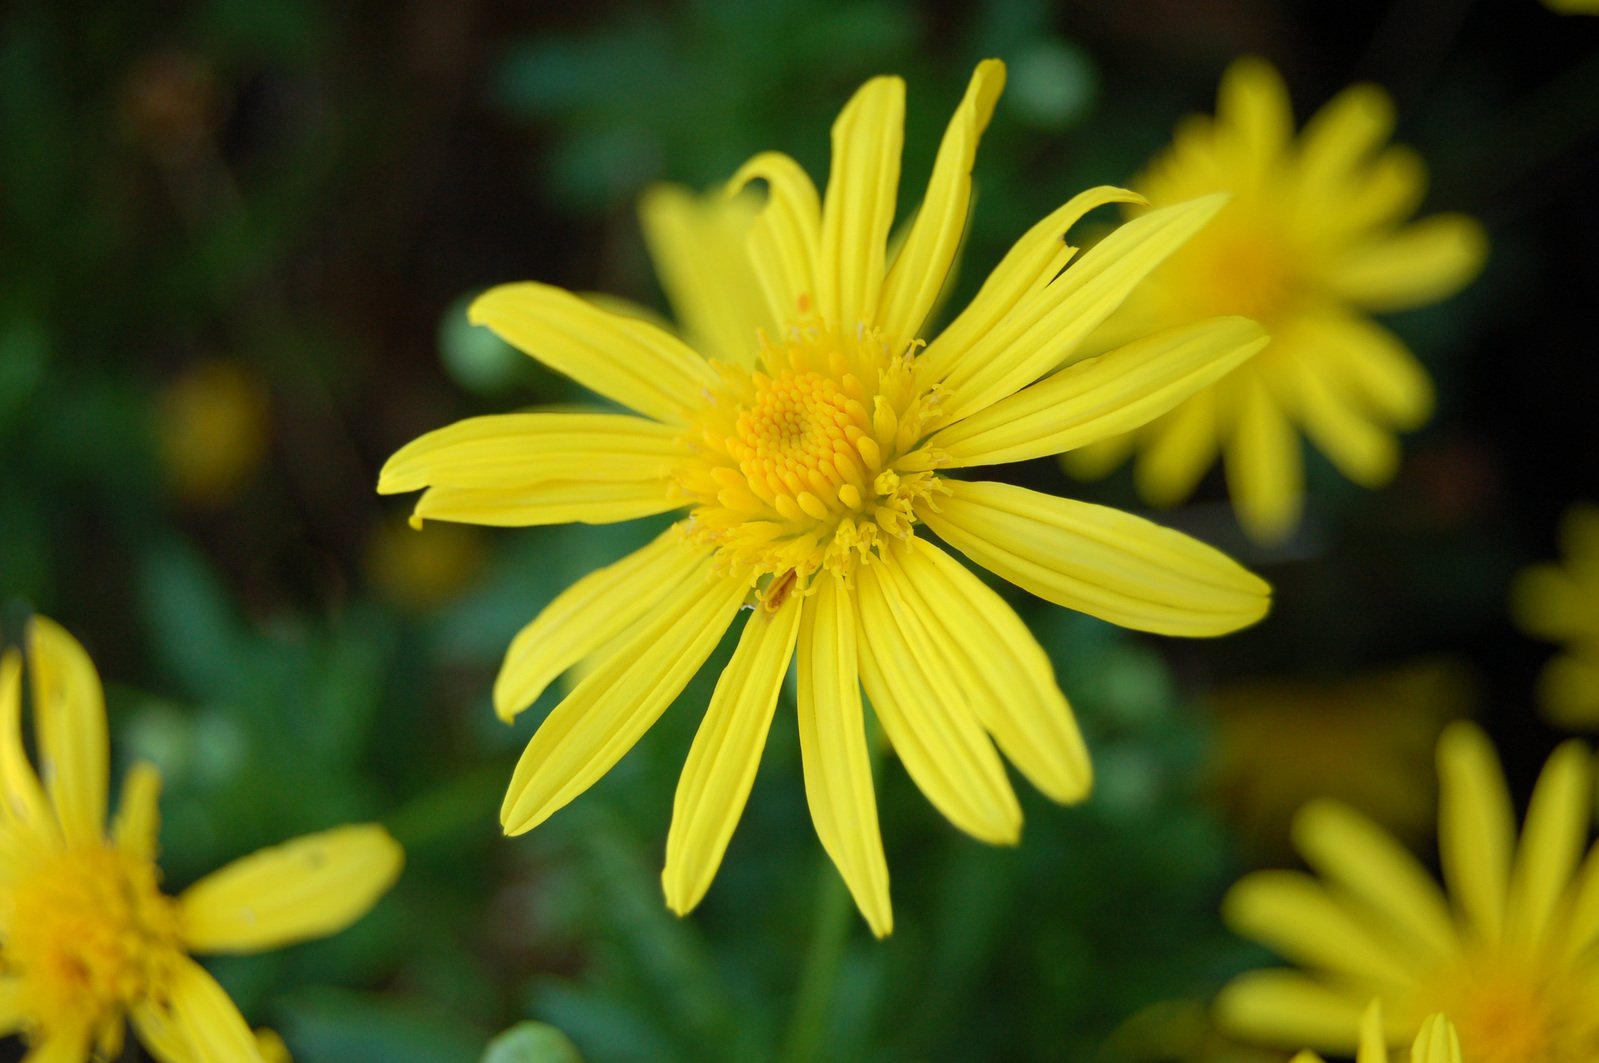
1313 241
213 428
808 441
1560 603
422 572
1437 1042
87 938
1509 955
1281 743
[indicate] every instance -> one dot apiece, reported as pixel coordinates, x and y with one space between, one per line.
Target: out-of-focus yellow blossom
422 572
1511 954
213 426
1438 1041
87 938
806 442
1281 743
1315 239
1560 603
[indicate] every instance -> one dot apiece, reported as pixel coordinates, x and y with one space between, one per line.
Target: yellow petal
159 1033
622 358
1253 114
1264 471
550 502
514 450
1286 1008
1307 1056
1098 560
1355 854
1568 690
786 239
924 261
1420 264
700 249
207 1019
858 210
919 702
1031 263
63 1046
1339 425
1475 828
1091 461
837 767
589 614
24 797
1547 602
306 888
1004 674
1552 843
1373 1042
69 715
1177 450
1436 1043
1299 919
1343 134
1102 397
1045 327
1374 365
726 752
14 1011
616 703
138 822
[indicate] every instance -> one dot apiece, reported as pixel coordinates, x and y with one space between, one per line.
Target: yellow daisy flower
808 450
1314 240
1438 1041
1560 603
1509 955
87 938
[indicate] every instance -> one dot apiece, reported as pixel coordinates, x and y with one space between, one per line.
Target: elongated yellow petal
615 704
1307 1056
25 802
1420 264
918 699
1552 842
1334 419
13 1006
1098 560
69 715
1580 914
158 1032
1352 852
1568 690
1436 1043
1287 1008
625 359
1265 471
589 614
1102 397
138 822
63 1046
1373 1041
837 767
1475 829
1548 602
1180 447
1296 916
924 261
1343 134
1253 114
726 752
858 210
515 450
207 1019
1045 327
306 888
1376 365
1003 672
786 239
1031 263
550 502
699 245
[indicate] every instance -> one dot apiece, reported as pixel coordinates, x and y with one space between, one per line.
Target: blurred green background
236 238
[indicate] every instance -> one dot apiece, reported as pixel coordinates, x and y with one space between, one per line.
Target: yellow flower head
1560 603
1315 238
1509 955
87 937
808 443
1438 1041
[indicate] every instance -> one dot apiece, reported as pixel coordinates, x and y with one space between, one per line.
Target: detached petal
1420 264
726 752
858 209
69 715
786 239
1101 397
838 769
1475 829
924 261
550 502
615 704
307 888
1099 560
625 359
207 1019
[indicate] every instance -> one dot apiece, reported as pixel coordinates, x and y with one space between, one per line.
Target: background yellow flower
1559 603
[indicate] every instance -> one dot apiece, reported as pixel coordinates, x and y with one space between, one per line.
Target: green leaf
531 1042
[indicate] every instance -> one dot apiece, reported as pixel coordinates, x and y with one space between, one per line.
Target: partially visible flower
1559 603
1281 743
1511 955
422 572
87 937
1315 239
805 446
212 428
1437 1042
1573 7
